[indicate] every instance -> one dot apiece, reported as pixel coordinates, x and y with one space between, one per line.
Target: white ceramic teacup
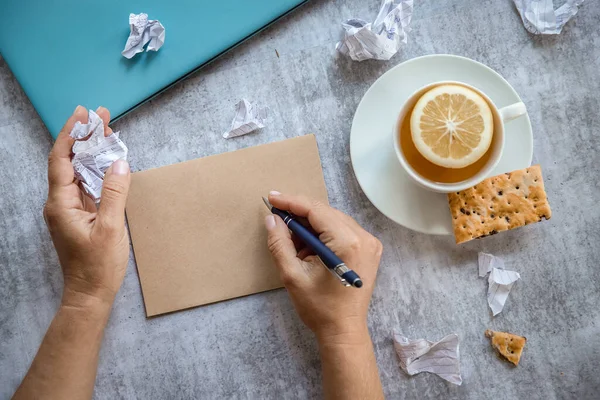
500 116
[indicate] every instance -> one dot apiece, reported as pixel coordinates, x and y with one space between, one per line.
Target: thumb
281 247
114 194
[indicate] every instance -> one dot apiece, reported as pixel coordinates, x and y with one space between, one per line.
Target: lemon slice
452 126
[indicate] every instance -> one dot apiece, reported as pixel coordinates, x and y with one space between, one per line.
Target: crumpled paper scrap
143 30
487 262
540 18
248 118
420 355
381 39
94 153
500 281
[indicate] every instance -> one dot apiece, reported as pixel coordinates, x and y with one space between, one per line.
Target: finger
281 246
87 203
115 188
60 170
104 114
305 252
320 216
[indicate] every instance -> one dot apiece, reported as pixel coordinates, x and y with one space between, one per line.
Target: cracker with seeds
508 345
498 204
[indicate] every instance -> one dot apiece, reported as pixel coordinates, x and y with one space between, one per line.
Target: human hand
328 308
92 244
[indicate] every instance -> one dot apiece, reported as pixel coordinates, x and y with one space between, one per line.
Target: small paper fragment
143 30
381 39
248 118
500 283
540 18
94 153
487 262
441 358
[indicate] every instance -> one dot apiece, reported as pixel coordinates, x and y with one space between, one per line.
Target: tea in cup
449 135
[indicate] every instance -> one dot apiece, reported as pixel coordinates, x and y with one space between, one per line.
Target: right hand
328 308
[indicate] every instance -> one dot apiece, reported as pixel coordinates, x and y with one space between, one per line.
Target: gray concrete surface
256 347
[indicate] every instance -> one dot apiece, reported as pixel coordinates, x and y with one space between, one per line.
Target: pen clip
334 273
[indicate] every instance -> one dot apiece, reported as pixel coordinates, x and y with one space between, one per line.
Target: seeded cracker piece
508 345
498 204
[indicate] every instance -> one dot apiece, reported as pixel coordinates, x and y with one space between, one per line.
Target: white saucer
375 164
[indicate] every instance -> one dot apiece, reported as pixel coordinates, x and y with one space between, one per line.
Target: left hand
92 244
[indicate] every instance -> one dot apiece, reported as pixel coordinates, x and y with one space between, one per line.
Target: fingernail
120 167
78 109
270 222
274 193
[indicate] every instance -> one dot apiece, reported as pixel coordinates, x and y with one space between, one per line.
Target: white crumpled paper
93 155
248 118
381 39
143 30
540 17
500 281
420 355
487 262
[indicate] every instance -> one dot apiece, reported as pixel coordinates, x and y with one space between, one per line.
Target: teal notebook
68 52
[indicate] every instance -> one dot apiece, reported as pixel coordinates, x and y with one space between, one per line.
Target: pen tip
358 283
269 206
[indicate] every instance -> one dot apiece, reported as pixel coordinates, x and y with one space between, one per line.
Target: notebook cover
68 52
197 227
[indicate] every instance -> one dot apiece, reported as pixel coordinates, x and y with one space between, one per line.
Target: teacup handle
513 111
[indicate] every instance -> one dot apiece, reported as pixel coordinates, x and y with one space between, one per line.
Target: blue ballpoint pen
331 261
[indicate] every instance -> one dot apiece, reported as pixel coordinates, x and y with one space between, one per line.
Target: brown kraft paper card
197 227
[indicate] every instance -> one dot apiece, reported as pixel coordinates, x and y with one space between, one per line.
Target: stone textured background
256 347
